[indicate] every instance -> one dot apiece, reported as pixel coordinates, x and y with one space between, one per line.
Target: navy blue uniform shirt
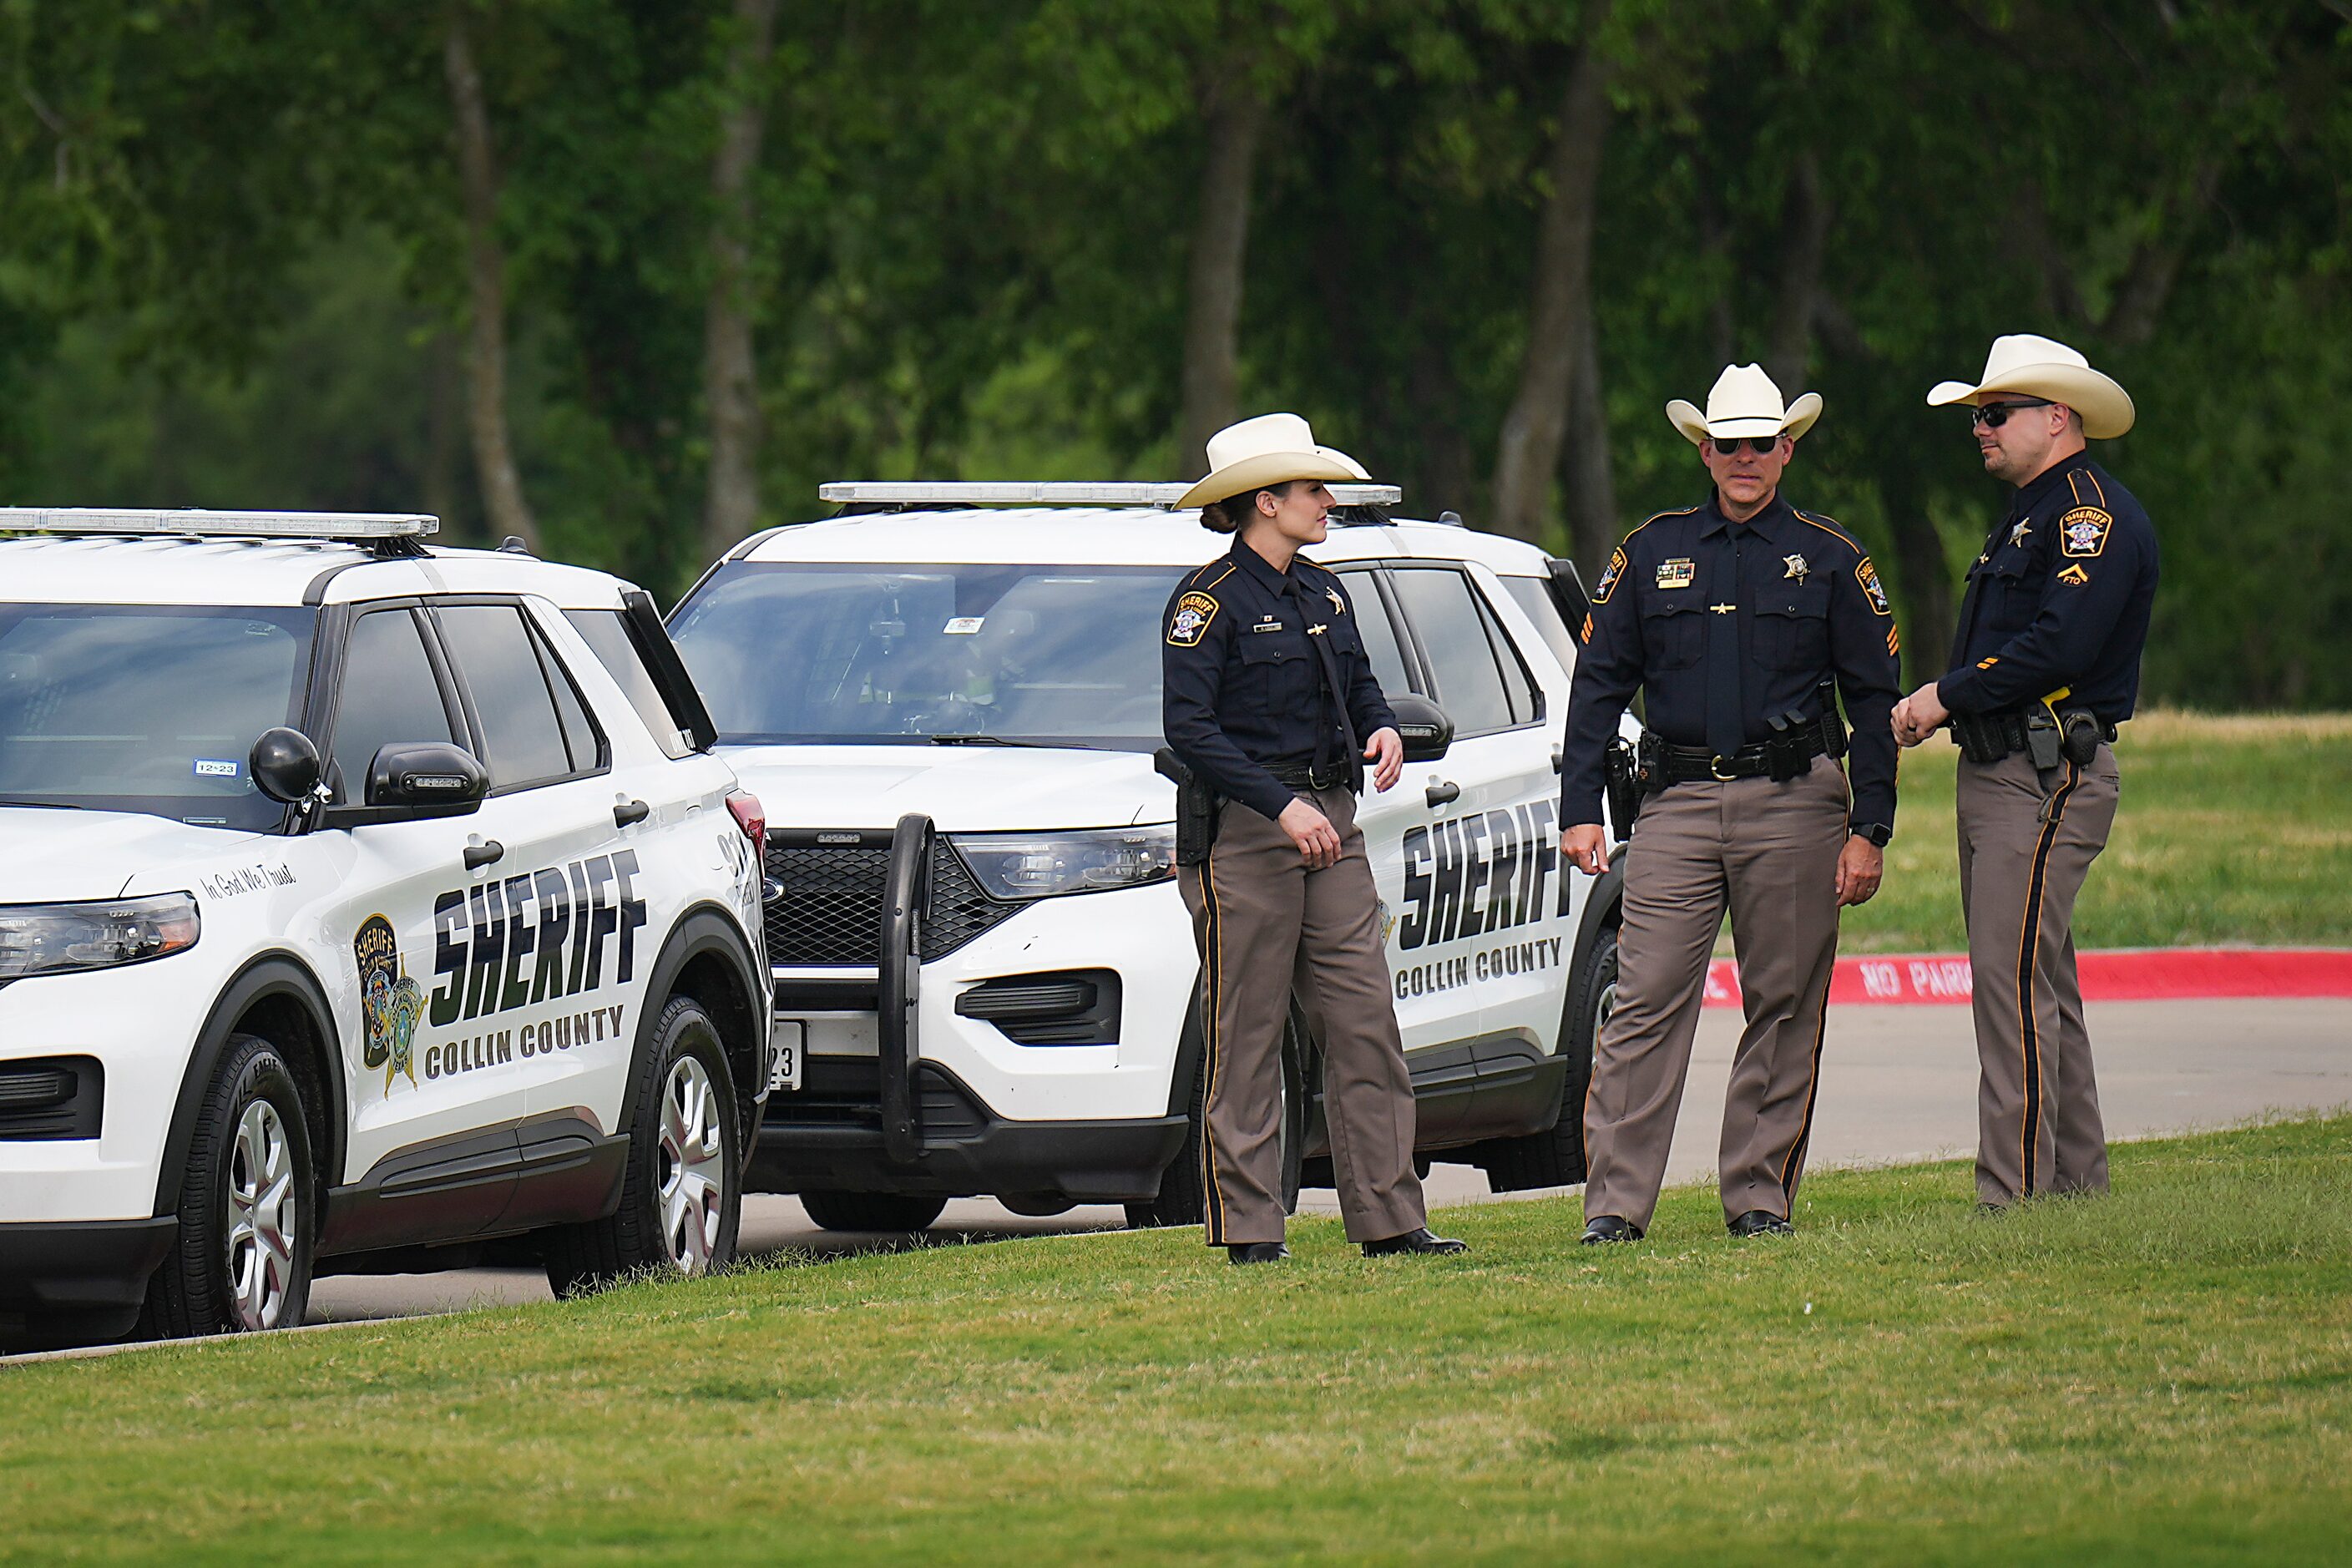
2060 596
1242 688
1726 625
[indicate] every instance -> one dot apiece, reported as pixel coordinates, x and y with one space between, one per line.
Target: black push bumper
98 1268
823 1139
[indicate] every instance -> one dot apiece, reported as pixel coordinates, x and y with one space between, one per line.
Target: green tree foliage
233 257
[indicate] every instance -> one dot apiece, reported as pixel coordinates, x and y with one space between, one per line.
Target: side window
1452 627
1518 681
608 637
389 696
521 734
1533 595
1373 625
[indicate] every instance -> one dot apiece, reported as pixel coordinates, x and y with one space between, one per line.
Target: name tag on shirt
1267 626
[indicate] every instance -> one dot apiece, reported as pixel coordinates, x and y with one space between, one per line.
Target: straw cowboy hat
1745 401
2043 367
1271 449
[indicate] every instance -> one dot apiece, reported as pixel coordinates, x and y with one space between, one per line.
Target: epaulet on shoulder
1657 517
1829 525
1194 581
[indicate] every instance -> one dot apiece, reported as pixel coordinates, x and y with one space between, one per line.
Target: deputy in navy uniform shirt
2051 629
1735 616
1267 695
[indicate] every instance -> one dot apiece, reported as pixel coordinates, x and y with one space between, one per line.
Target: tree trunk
1591 488
1212 305
1559 311
729 383
1804 247
445 397
485 347
1921 573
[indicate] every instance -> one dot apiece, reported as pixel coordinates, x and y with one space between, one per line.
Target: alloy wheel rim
263 1214
693 1156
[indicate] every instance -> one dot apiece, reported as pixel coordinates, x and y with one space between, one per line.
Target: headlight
55 939
1040 865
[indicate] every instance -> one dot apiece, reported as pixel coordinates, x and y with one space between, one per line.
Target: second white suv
363 905
985 981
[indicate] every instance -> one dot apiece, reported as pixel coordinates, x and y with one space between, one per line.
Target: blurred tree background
630 278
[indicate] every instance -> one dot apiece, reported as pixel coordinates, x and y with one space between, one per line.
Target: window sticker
964 625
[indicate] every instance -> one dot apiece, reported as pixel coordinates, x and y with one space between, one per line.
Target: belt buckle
1716 764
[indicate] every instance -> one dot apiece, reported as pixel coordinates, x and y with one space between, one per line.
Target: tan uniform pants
1770 852
2023 856
1266 926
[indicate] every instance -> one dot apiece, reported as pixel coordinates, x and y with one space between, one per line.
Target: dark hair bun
1216 519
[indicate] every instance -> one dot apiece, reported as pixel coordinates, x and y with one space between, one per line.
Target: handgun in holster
1197 808
1623 782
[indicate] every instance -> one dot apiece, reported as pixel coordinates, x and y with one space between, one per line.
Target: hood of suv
53 856
963 789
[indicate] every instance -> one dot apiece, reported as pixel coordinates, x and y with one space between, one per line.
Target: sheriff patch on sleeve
2084 530
1609 575
1194 614
1872 588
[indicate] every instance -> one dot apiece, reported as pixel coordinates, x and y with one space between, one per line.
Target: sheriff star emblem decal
1797 569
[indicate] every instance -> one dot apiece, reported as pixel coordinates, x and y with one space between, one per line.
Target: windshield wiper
49 805
1003 741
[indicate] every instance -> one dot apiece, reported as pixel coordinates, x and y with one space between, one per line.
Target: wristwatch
1878 833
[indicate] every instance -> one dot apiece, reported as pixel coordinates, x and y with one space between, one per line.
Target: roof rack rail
906 494
385 532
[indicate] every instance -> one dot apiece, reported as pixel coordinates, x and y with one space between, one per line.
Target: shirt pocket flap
1808 602
1255 650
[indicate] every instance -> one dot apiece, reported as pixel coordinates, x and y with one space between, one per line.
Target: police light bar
1083 492
218 524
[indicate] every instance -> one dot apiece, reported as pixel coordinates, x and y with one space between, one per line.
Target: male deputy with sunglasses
1743 620
2045 664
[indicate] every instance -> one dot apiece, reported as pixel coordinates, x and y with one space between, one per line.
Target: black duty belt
1765 759
1300 776
1989 737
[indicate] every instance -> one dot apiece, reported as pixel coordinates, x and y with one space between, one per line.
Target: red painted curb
2136 974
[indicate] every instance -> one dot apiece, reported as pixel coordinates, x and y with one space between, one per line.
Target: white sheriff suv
985 981
362 906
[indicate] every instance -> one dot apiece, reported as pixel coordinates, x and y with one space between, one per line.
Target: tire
247 1206
873 1211
1555 1157
682 1193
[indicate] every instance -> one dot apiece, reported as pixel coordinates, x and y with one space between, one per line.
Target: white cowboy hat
1271 449
2043 367
1745 401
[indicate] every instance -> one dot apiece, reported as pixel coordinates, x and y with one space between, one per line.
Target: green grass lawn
2165 1374
2231 831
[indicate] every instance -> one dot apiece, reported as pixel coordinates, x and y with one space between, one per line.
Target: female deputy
1267 697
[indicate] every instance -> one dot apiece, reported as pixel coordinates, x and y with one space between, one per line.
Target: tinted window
389 697
521 735
1525 696
147 709
1533 595
1453 632
1372 624
607 635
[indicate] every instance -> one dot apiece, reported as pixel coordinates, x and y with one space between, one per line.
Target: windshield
146 708
799 652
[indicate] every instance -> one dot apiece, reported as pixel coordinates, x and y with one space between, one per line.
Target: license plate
791 1039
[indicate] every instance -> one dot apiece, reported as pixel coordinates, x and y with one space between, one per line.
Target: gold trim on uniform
1191 622
2083 532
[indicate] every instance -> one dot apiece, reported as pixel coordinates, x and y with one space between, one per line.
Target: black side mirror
427 778
284 765
1568 593
1422 726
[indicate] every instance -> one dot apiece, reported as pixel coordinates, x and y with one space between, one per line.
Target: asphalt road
1898 1085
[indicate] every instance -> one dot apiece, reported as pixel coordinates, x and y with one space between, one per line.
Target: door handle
487 852
1556 758
629 812
1444 794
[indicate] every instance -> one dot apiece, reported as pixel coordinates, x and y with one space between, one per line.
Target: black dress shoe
1256 1252
1602 1228
1761 1222
1414 1241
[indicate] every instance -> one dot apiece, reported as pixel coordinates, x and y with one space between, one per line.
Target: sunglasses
1730 445
1993 416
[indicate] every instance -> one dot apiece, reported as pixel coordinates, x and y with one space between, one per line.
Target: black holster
1197 808
1620 774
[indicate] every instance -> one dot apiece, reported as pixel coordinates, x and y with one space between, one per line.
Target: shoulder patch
1194 614
1609 575
2074 576
2084 530
1873 589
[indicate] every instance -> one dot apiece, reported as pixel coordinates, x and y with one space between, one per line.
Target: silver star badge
2017 535
1798 571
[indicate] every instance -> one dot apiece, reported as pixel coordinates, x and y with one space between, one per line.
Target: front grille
831 911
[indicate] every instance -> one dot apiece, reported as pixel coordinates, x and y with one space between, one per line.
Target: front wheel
1555 1156
680 1197
247 1235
